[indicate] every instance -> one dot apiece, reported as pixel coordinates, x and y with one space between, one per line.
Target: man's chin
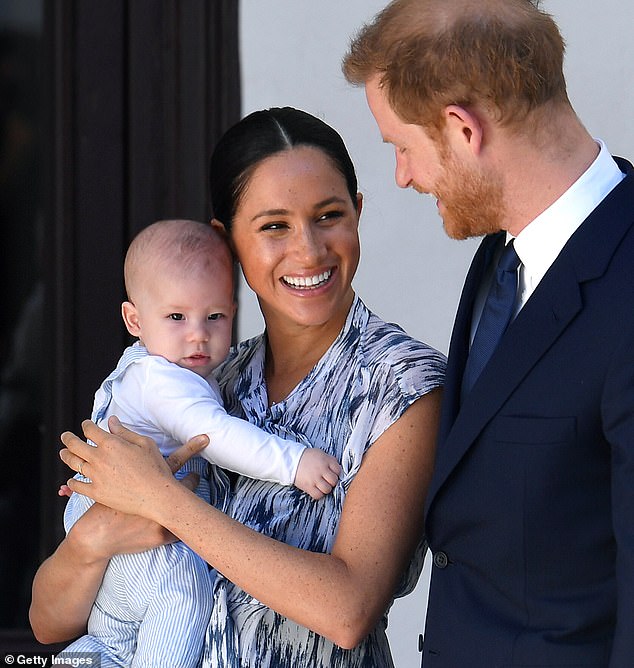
456 231
461 230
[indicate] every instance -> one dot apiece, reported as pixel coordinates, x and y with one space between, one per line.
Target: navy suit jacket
530 514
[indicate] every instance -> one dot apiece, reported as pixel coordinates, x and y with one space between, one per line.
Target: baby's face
187 319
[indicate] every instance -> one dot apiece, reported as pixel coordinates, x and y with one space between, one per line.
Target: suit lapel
459 345
551 308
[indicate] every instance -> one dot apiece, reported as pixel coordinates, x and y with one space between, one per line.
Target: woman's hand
66 584
125 469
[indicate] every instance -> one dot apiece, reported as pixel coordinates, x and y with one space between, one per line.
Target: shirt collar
540 242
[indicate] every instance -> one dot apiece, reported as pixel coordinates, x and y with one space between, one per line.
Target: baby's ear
131 318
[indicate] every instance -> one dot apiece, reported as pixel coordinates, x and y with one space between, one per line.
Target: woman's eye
330 215
176 316
273 227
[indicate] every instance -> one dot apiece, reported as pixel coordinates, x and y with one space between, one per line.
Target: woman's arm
340 595
66 584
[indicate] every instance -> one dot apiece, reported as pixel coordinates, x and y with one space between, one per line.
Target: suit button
440 560
420 642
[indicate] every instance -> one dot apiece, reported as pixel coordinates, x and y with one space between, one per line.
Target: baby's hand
317 473
64 490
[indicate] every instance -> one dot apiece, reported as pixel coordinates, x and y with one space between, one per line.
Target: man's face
469 201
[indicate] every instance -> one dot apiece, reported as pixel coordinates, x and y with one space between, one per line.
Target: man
530 513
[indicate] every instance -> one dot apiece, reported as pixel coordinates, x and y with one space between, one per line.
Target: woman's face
295 233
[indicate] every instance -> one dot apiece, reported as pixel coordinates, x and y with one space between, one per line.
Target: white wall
410 272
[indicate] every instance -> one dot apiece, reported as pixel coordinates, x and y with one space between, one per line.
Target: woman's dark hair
259 136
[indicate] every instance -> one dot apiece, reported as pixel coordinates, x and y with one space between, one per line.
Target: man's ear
464 129
130 317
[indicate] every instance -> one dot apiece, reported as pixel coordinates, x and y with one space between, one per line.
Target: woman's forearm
64 590
66 584
319 591
341 595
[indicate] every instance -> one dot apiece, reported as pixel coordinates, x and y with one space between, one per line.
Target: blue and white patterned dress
366 380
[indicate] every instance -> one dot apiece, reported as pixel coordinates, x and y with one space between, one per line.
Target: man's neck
539 175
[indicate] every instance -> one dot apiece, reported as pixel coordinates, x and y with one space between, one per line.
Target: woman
303 583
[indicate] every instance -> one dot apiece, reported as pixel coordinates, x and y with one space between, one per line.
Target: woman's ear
218 226
130 317
222 230
359 204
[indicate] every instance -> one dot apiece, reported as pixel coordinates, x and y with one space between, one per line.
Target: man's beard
472 201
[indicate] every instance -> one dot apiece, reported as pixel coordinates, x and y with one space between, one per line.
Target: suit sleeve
618 421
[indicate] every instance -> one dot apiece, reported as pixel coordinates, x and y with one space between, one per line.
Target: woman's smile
313 282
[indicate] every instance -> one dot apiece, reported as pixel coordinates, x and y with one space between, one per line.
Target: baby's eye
214 316
176 316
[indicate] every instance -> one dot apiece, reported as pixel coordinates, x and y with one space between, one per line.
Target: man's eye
214 316
176 316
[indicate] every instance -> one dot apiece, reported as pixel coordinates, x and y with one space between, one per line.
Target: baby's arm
240 446
184 404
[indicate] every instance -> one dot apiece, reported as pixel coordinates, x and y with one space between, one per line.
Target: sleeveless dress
366 380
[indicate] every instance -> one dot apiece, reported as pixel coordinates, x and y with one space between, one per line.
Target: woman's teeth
308 282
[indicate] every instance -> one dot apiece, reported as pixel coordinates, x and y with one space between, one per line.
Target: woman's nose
309 243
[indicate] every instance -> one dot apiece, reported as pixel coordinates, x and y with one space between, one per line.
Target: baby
153 608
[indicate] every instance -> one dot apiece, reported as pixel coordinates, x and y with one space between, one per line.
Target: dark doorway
108 113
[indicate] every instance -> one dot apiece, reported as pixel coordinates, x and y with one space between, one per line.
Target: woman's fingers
124 468
187 451
78 448
72 461
176 460
77 454
116 428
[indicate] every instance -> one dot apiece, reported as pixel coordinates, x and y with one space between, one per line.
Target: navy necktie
496 315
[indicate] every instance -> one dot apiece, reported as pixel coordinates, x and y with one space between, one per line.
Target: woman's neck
293 350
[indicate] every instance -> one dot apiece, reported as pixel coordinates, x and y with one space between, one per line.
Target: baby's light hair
184 247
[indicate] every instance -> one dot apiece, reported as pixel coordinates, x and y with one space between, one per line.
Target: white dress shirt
541 241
